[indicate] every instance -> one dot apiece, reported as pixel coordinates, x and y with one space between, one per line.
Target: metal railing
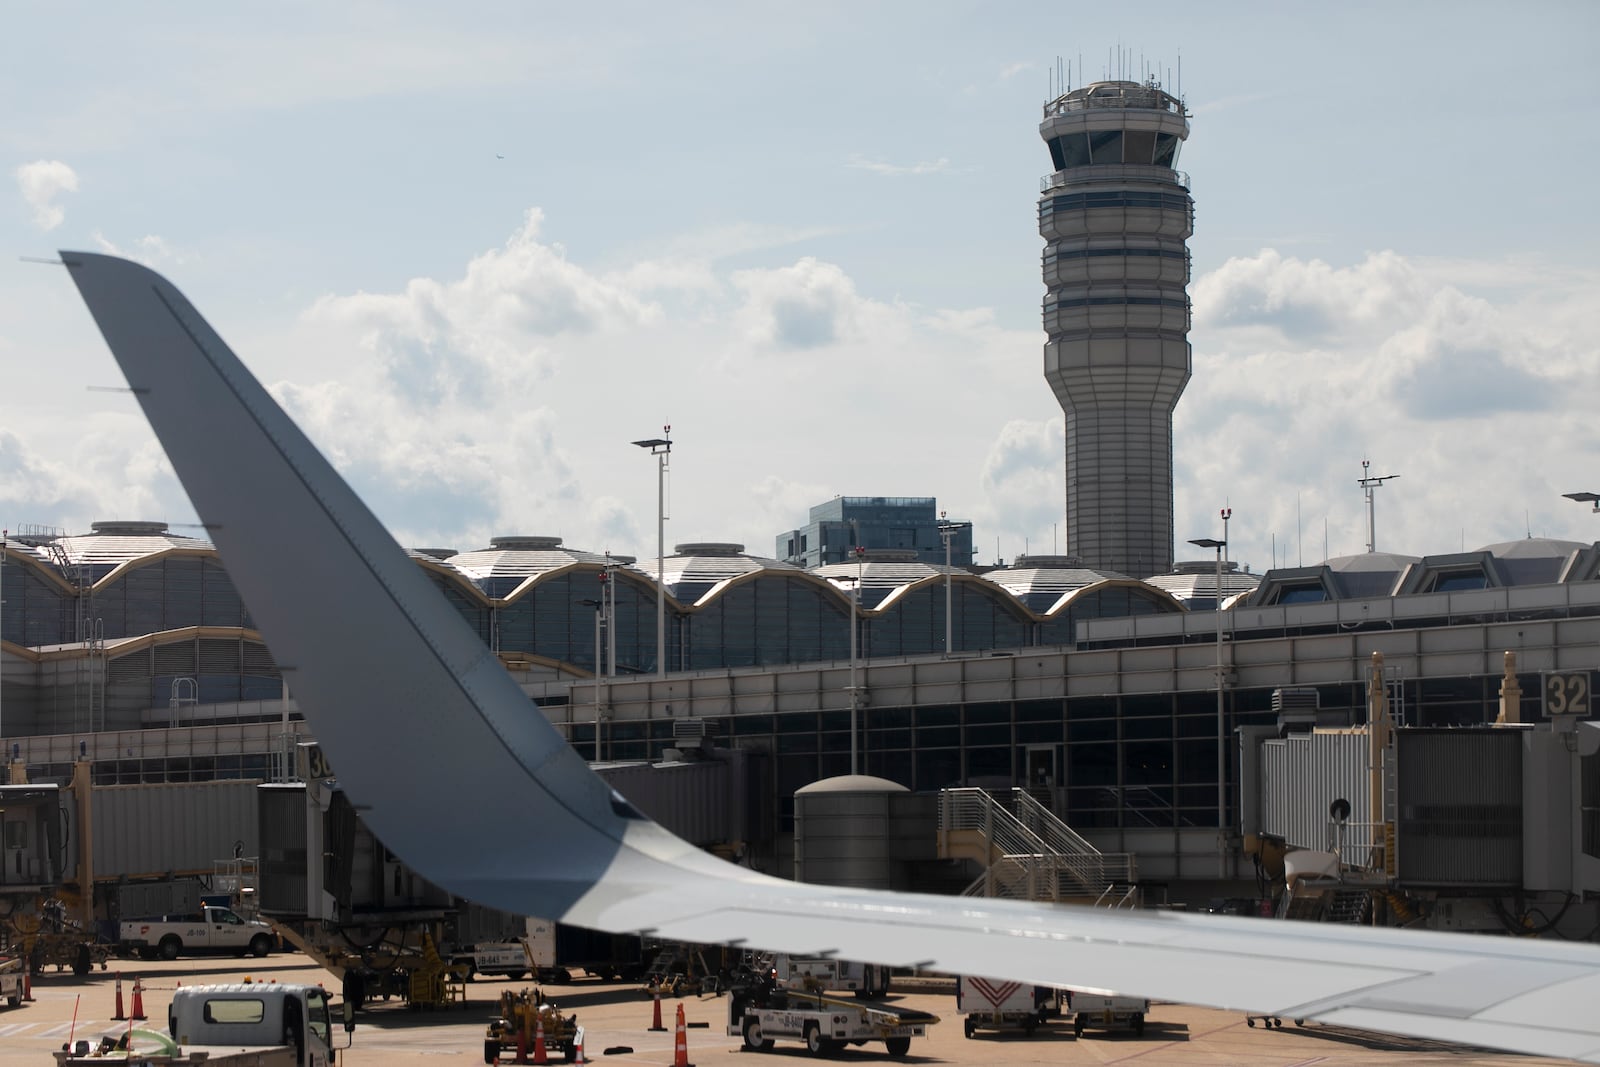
1104 172
1040 857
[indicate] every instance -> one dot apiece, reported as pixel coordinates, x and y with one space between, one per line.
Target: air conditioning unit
693 729
1296 710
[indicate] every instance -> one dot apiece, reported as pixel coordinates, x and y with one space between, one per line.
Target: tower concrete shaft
1115 217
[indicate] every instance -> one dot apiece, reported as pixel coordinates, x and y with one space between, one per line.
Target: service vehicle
246 1024
212 929
11 979
44 935
496 959
760 1012
1107 1011
867 980
523 1017
549 952
1001 1004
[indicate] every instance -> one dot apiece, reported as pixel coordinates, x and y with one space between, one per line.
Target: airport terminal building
1099 694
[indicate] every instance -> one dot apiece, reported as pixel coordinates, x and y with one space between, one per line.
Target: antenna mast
1368 483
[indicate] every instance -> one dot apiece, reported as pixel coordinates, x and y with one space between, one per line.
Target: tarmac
616 1019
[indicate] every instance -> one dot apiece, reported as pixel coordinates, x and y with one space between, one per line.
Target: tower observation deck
1115 217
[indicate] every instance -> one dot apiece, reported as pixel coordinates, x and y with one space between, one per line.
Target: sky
477 250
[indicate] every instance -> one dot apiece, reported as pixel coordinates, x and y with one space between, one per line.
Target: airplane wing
411 706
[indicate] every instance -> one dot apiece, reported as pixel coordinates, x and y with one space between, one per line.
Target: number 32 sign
1566 693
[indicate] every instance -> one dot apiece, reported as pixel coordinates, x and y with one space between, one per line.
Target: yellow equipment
433 983
516 1025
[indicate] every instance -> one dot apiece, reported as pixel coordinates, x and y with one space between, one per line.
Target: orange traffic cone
655 1021
577 1047
539 1054
138 999
27 985
680 1043
120 1015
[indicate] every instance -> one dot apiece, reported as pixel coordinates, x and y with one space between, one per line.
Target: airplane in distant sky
405 698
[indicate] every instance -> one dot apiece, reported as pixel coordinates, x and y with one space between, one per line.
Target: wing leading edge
401 692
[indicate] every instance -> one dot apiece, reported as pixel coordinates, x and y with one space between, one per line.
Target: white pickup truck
760 1012
212 929
262 1024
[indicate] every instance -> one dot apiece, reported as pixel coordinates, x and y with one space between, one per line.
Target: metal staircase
1326 902
1027 852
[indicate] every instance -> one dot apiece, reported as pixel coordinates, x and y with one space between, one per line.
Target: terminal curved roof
1369 574
111 544
1043 583
510 562
696 570
881 575
1534 560
1197 581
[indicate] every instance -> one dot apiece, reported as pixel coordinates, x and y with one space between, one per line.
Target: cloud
491 331
1307 297
809 305
1467 379
40 183
1024 493
895 170
502 396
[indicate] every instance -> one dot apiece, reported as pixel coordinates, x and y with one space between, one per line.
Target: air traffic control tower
1115 217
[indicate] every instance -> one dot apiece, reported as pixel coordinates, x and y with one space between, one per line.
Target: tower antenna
1369 483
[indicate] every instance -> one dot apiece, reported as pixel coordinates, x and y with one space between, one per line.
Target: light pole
855 607
609 595
599 610
661 447
1592 499
1222 734
1227 515
947 532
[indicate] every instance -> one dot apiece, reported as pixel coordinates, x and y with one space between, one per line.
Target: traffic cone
120 1016
522 1045
138 999
577 1047
655 1021
539 1054
27 985
680 1043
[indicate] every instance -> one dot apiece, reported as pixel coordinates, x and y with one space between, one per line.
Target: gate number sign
1566 693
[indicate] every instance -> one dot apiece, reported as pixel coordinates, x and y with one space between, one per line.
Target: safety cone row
655 1020
120 1016
680 1043
138 1000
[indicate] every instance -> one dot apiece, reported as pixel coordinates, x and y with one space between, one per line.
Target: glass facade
1144 147
837 527
168 592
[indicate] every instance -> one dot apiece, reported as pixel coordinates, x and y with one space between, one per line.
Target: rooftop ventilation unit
1296 710
693 729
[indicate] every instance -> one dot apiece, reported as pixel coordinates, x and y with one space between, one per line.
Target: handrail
1048 856
1101 172
1044 822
